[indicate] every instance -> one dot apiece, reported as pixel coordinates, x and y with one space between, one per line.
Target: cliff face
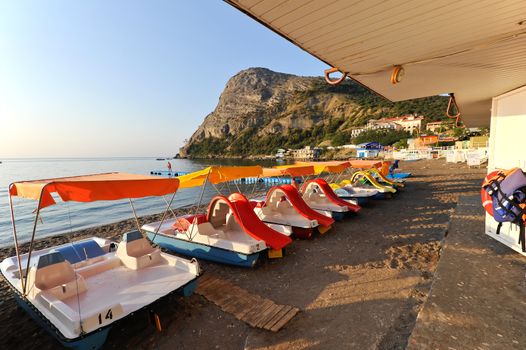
260 110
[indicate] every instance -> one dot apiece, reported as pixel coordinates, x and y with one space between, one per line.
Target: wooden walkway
247 307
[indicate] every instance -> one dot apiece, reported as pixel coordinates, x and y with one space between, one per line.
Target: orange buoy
486 199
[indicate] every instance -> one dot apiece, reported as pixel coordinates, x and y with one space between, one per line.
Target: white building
409 123
306 153
374 124
357 131
437 126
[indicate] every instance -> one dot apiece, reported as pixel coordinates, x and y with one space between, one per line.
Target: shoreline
112 231
361 285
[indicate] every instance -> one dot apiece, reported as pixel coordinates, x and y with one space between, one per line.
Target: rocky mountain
261 110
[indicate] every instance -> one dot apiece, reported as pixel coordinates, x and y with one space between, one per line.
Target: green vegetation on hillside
326 106
385 137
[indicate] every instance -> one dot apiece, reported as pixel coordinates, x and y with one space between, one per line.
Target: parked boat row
78 290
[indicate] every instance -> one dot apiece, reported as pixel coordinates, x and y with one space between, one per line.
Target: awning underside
475 49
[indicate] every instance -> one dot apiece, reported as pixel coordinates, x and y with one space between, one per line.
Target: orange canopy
292 171
218 174
90 188
327 167
365 164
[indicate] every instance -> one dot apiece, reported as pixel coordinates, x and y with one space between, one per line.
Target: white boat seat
55 275
135 252
231 223
98 265
219 213
283 206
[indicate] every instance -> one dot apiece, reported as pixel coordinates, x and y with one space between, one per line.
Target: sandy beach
360 286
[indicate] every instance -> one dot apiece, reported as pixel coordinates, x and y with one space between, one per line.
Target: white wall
507 149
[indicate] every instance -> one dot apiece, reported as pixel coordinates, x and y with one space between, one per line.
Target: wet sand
360 286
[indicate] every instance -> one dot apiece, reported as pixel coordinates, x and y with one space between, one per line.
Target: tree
383 136
340 138
458 132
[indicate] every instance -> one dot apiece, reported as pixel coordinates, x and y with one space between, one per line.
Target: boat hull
92 341
383 195
359 200
339 216
399 175
205 252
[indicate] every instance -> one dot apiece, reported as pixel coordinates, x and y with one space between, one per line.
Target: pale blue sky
123 78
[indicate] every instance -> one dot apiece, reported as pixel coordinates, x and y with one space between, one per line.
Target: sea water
71 216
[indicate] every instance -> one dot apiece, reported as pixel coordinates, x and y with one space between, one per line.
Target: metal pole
135 215
173 213
198 204
218 191
33 237
163 217
16 239
235 183
255 185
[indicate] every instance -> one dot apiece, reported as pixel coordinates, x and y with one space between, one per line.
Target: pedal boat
319 196
230 233
347 191
398 175
77 291
284 204
396 183
363 179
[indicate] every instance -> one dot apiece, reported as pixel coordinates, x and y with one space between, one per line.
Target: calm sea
71 216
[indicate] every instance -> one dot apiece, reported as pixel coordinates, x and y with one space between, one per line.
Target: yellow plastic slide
372 181
383 178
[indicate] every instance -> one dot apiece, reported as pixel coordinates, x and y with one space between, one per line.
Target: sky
123 78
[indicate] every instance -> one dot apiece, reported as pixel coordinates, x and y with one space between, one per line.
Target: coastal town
434 140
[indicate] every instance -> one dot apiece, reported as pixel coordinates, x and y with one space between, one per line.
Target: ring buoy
487 201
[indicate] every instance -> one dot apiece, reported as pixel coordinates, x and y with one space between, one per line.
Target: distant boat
161 159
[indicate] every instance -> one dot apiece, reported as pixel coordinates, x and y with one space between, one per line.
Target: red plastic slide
333 197
294 198
249 221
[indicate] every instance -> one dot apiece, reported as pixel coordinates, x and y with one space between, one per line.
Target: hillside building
438 126
306 153
409 122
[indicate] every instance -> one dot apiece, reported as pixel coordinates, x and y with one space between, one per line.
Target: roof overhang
475 49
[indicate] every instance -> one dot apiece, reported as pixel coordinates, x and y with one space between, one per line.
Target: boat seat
231 223
219 212
311 196
135 252
98 265
283 206
55 275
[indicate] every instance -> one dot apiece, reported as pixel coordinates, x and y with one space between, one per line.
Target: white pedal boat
76 291
230 233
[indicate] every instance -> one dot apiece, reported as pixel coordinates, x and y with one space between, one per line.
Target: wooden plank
285 319
204 289
245 306
204 280
255 316
266 315
228 301
277 317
